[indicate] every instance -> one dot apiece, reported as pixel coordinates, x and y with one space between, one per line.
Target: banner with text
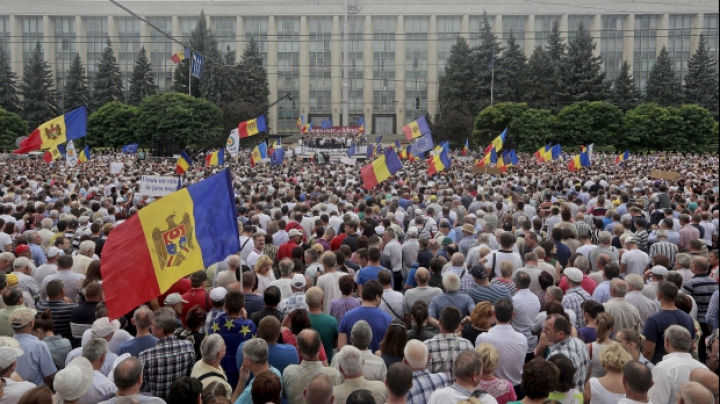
158 185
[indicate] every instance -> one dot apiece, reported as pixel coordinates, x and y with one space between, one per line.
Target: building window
256 28
679 42
543 28
644 48
97 36
416 63
65 49
516 25
448 33
356 64
187 26
384 64
320 32
710 28
128 48
32 32
288 71
574 23
5 35
612 44
225 32
476 25
161 50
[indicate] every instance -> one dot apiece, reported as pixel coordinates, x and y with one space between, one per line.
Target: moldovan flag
252 127
416 128
438 163
489 158
622 157
258 154
465 148
65 128
545 153
183 163
381 169
176 235
215 158
85 154
54 153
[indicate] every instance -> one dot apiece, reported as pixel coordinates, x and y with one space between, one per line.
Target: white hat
218 294
630 240
294 232
574 274
8 355
659 270
298 281
52 251
412 231
75 380
103 327
174 298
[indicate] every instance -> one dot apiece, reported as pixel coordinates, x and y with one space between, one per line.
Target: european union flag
379 150
370 152
326 124
277 157
197 64
351 150
378 139
423 144
130 148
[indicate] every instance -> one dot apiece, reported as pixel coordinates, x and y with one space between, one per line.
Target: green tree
556 48
697 133
663 86
589 122
534 128
553 84
76 88
701 81
254 81
582 72
623 93
142 82
455 109
11 127
8 93
39 103
175 121
112 125
514 72
491 121
651 127
541 89
202 41
107 85
485 55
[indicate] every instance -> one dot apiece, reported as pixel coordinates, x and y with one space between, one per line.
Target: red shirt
337 241
297 226
194 296
285 250
181 286
588 284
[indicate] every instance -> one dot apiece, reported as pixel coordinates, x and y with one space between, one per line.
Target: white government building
397 50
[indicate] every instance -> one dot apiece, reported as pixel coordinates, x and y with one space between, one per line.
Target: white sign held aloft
116 168
348 161
158 185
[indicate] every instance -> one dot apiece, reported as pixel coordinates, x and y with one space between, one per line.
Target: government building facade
396 50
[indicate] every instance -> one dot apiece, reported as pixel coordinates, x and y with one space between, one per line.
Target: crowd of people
538 285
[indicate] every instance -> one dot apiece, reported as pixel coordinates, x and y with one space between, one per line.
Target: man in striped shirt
60 310
701 287
664 247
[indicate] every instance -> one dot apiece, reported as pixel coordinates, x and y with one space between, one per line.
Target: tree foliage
174 121
203 41
663 86
534 128
76 87
113 125
589 122
8 80
513 72
582 73
11 127
493 120
142 82
455 109
701 81
484 56
623 93
107 84
39 103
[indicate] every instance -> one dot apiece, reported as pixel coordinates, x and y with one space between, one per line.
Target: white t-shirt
501 256
636 261
5 241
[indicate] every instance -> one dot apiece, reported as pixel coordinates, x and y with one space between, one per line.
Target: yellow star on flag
229 324
245 330
215 327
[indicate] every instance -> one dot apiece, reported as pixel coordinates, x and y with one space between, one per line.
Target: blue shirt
368 273
280 356
234 332
137 345
379 322
562 254
36 362
38 255
245 397
601 294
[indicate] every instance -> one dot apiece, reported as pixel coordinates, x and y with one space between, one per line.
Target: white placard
348 161
116 168
158 185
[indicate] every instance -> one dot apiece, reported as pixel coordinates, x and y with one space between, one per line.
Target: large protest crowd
538 285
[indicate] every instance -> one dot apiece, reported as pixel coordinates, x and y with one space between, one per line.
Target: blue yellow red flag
252 127
258 154
622 157
172 237
84 154
215 158
416 128
380 169
52 133
184 162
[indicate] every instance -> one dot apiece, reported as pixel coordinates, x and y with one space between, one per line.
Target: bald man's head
422 276
234 261
319 390
694 393
708 379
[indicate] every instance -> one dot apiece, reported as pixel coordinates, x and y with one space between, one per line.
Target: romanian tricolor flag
180 56
361 125
54 153
252 127
172 237
498 142
381 169
272 148
622 157
416 128
489 158
307 128
300 121
258 154
579 161
84 154
438 163
215 158
545 153
184 162
465 148
52 133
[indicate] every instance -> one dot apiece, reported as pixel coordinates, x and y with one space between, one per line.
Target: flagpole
492 83
190 74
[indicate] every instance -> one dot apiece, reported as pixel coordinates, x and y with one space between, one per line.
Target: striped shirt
573 300
701 288
467 281
642 240
61 313
582 228
575 350
423 385
665 248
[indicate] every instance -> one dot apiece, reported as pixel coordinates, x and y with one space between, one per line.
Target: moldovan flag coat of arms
62 129
174 236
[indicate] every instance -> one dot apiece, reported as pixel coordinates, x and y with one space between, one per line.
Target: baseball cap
8 355
479 272
218 294
21 248
630 240
447 241
659 270
174 298
298 281
12 279
103 327
52 251
22 317
574 274
294 232
445 224
412 231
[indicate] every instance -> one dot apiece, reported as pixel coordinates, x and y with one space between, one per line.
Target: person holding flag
465 148
622 157
84 154
184 162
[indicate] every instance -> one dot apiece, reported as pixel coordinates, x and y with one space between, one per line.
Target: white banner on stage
348 161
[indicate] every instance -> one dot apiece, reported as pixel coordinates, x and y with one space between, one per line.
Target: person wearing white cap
175 302
101 328
657 275
9 353
96 351
217 298
575 295
74 381
634 260
297 300
35 365
50 267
